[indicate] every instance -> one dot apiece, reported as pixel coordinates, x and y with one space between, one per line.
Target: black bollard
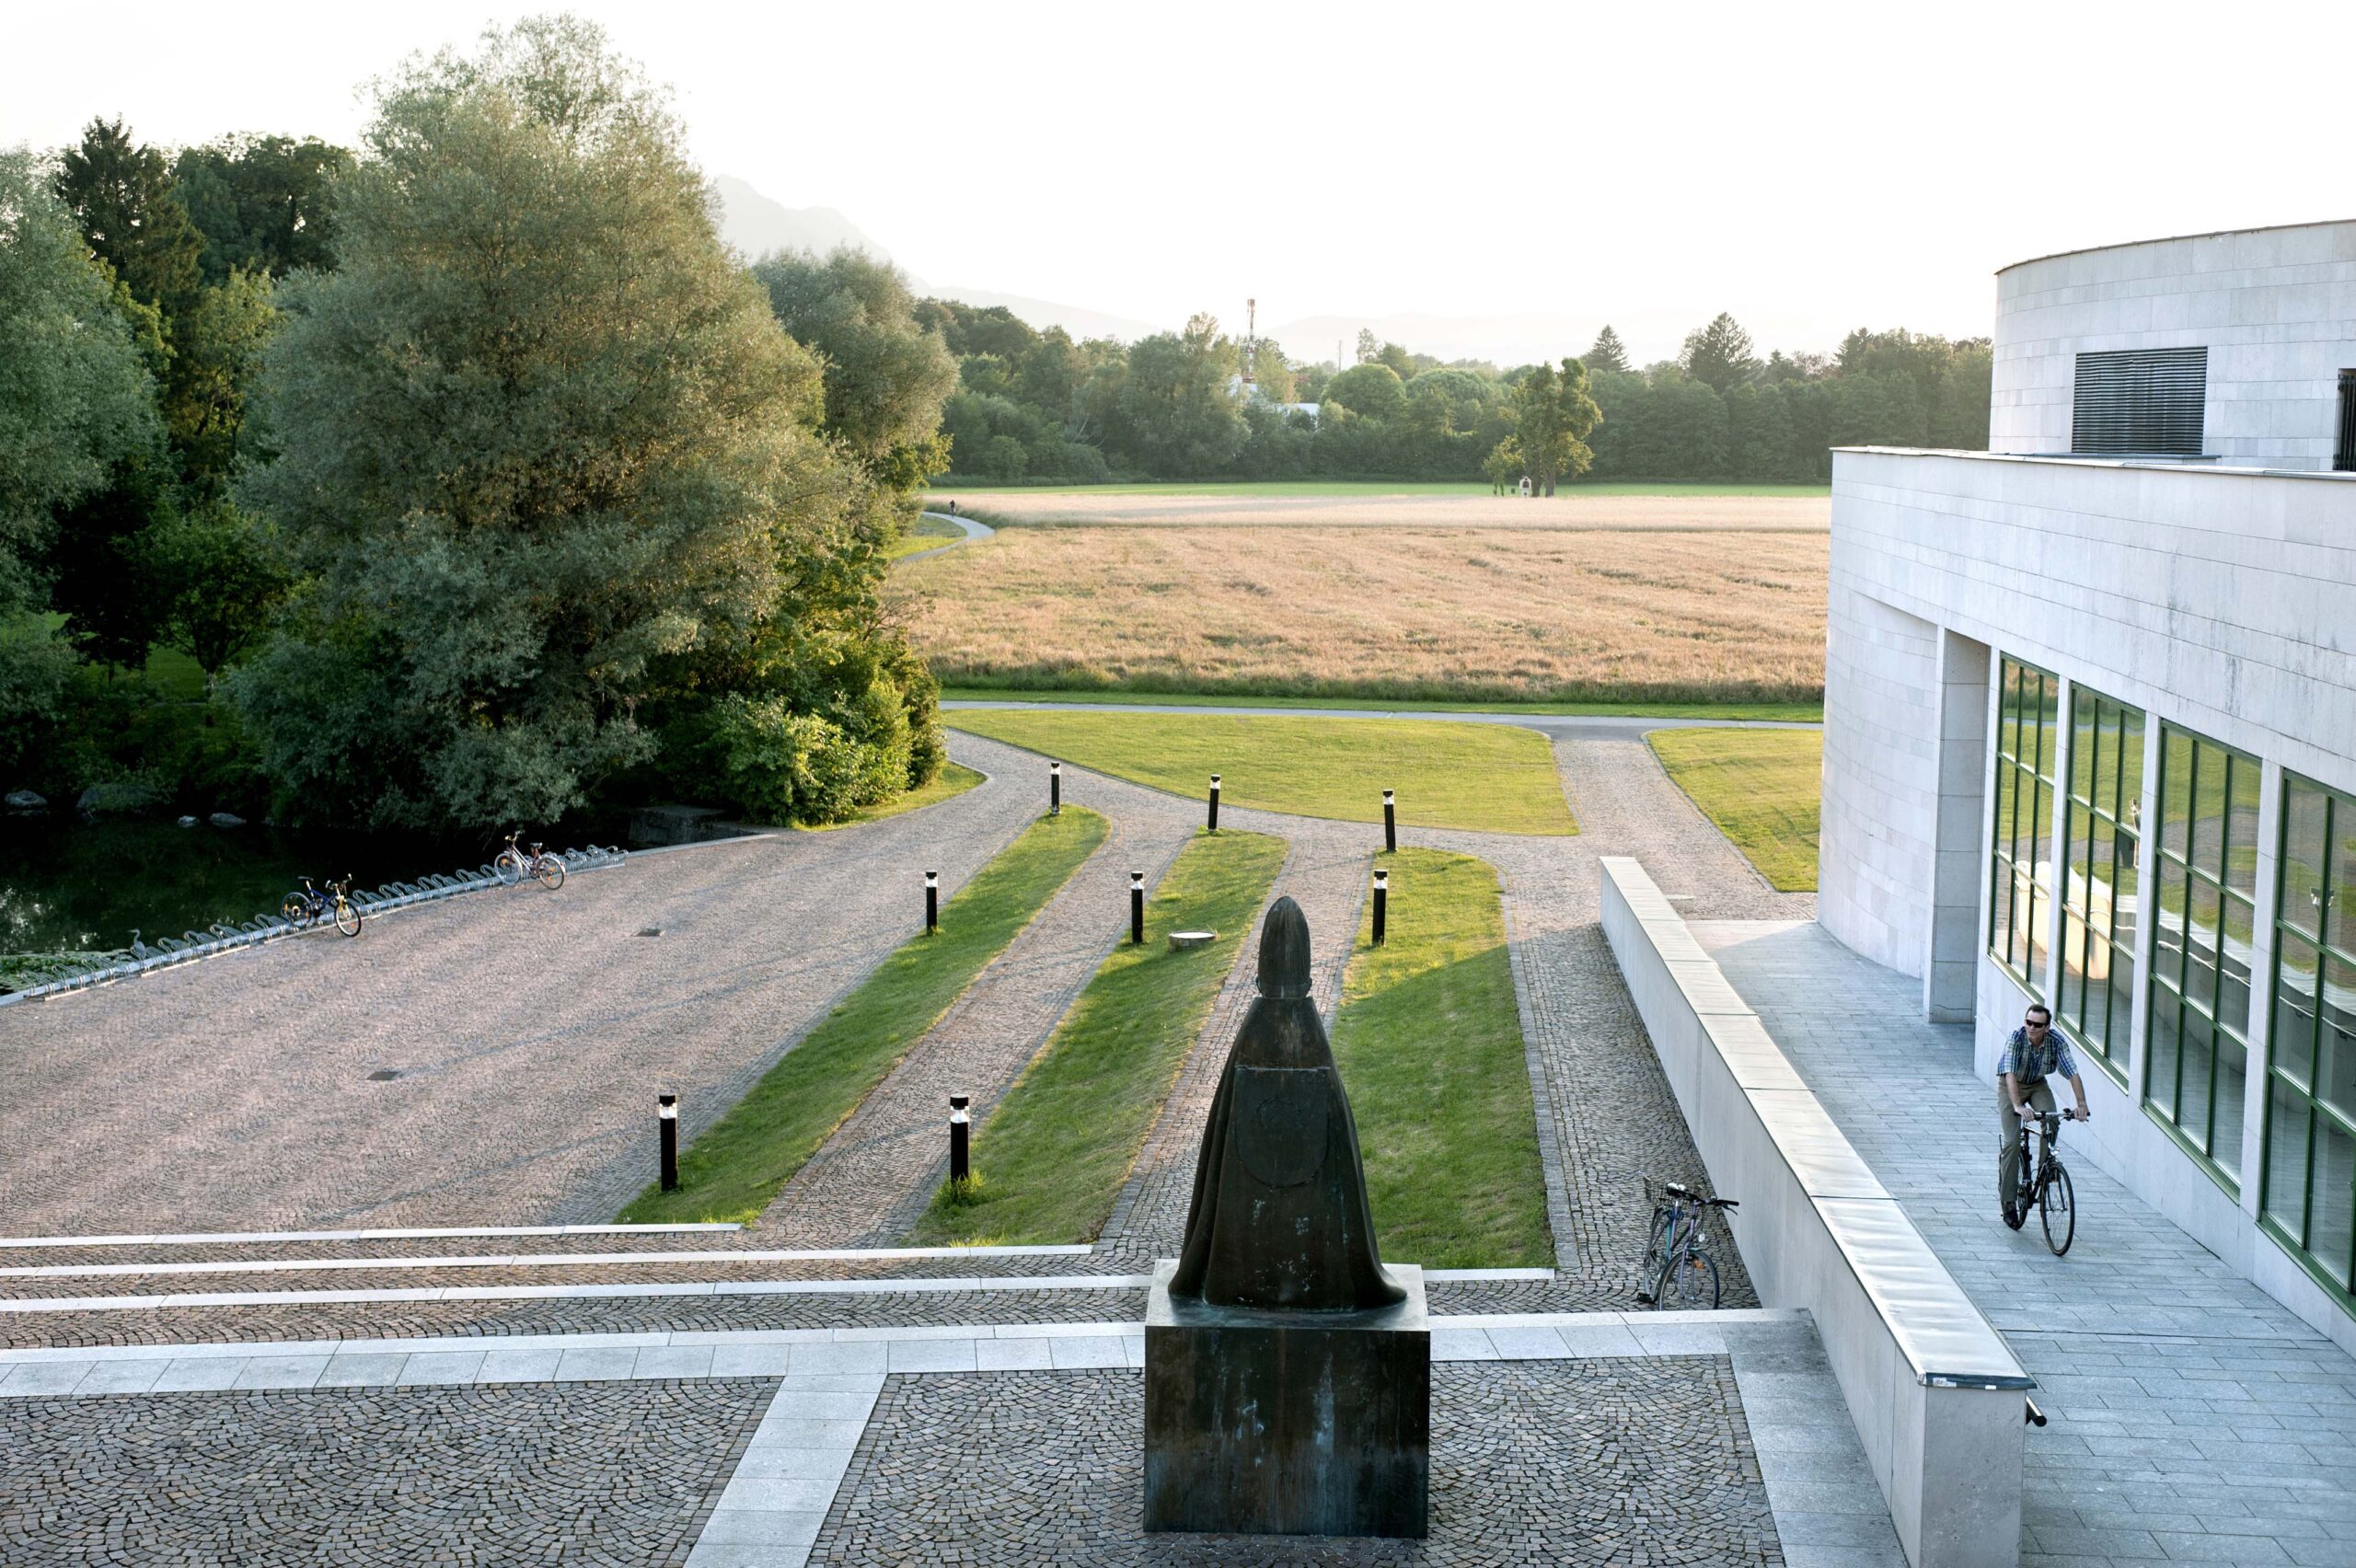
1381 904
1390 820
1055 788
961 1127
931 901
1213 803
1136 908
667 1116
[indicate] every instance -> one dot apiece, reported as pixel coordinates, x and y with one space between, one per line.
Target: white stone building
2090 725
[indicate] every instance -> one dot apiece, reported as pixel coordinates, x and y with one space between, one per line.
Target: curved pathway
971 529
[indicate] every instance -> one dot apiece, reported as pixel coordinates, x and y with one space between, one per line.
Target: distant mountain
756 225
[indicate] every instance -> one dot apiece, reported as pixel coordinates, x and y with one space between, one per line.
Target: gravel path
531 1032
872 1179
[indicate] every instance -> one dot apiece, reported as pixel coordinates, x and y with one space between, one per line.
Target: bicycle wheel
550 870
1692 1276
2057 1208
295 909
1655 1246
510 866
347 917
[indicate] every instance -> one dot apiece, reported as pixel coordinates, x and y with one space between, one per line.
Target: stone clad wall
2276 308
1880 778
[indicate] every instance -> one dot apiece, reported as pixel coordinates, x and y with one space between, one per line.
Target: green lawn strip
1052 1157
1429 1043
1496 778
737 1167
1761 786
924 534
1133 697
954 779
1377 487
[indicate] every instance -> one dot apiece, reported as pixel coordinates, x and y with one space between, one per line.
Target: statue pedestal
1286 1422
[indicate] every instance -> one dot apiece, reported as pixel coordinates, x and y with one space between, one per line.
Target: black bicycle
312 905
1676 1260
2045 1181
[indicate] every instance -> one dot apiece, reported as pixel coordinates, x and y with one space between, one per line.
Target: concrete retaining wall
1935 1393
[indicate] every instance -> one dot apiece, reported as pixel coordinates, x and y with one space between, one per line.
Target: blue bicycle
312 905
1676 1263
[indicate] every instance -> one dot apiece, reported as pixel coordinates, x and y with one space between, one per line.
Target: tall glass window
2021 858
2202 944
2098 904
2310 1191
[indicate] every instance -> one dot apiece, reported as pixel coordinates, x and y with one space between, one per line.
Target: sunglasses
2032 1023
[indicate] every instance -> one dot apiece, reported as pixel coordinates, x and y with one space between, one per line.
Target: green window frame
2020 857
2308 1200
2196 1077
2098 880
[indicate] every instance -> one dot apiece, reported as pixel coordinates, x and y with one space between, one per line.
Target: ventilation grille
2343 460
2140 400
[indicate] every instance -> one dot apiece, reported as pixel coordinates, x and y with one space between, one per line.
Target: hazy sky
1810 169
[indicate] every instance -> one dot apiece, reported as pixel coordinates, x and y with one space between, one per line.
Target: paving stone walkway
2192 1417
872 1181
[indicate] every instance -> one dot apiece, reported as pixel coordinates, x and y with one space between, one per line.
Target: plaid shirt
2035 1064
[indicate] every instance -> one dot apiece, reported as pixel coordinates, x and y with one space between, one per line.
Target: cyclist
2033 1055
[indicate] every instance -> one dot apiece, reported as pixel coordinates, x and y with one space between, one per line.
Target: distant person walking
953 508
2033 1055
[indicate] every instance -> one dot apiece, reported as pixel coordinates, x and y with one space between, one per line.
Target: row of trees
481 480
1032 405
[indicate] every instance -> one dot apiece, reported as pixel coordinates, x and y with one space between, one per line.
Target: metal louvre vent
2140 400
2343 459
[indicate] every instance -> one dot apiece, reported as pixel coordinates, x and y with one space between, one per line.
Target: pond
68 885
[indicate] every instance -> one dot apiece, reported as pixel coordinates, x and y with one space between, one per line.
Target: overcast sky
1809 167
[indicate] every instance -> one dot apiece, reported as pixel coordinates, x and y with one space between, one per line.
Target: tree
120 196
1719 355
1609 353
216 355
1553 416
1166 410
886 377
263 203
1372 390
1369 346
551 461
221 577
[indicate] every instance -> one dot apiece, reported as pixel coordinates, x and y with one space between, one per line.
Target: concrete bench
1935 1392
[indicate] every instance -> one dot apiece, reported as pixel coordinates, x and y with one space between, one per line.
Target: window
2098 902
2147 402
2198 1060
2021 858
2310 1190
2343 457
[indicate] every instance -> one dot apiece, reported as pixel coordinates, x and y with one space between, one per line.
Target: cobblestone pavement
872 1179
2191 1415
619 1474
1592 1462
531 1032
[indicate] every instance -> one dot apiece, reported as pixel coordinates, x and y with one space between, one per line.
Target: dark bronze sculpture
1288 1372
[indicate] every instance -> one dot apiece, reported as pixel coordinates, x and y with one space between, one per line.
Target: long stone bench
1935 1392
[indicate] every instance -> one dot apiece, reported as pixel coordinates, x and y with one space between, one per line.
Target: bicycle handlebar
1679 1189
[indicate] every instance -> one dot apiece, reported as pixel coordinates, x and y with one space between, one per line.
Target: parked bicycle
514 865
2045 1181
1676 1260
312 905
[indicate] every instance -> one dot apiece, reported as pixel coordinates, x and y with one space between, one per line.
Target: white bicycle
514 865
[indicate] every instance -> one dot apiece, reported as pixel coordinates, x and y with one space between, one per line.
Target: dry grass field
1617 609
1238 507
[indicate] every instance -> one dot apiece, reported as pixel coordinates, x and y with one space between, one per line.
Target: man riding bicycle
2033 1055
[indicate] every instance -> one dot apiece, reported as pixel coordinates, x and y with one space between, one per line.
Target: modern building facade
2090 725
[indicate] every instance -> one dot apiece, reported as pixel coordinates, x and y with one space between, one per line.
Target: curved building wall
2276 309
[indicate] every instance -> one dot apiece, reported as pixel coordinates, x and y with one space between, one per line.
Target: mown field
1623 612
1769 507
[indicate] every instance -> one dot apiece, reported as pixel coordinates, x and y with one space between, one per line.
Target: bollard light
667 1116
1055 788
931 901
1136 908
1381 904
1213 803
961 1128
1390 820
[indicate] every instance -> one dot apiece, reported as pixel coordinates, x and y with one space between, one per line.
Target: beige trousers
2008 1136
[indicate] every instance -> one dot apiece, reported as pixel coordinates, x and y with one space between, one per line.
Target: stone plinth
1288 1423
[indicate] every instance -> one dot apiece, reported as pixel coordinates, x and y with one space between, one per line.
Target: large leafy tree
263 203
886 375
548 457
1553 415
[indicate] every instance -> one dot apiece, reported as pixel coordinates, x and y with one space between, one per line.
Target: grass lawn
954 779
1786 712
737 1165
925 534
1761 786
1497 777
1052 1157
1428 1040
1374 487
